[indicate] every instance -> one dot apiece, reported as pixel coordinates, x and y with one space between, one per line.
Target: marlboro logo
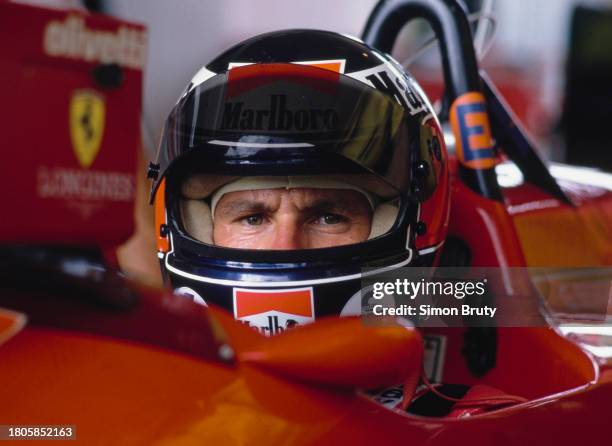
273 311
277 117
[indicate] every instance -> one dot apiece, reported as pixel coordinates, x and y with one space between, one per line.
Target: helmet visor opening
284 212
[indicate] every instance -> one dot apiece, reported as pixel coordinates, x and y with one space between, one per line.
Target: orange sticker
336 65
163 244
470 123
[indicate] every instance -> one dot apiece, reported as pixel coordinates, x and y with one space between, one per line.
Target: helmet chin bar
283 283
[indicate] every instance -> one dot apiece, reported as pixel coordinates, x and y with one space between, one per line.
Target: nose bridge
288 234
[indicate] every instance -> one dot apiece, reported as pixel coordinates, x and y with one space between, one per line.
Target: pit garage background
551 59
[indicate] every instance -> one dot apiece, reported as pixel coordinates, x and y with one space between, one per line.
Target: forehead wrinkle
338 199
303 199
238 202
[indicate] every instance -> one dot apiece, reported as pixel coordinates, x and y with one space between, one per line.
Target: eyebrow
327 205
240 207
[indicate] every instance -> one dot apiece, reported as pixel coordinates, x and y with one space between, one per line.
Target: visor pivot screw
153 171
420 228
421 169
164 230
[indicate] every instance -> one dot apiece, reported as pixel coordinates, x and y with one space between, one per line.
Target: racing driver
291 162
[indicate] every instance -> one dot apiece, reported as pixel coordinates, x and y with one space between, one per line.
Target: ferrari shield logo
87 114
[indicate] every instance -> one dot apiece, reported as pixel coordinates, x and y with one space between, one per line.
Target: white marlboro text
73 39
394 83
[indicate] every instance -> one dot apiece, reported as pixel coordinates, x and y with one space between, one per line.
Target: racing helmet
298 107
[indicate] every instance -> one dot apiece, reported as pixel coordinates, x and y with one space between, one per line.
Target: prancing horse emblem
87 115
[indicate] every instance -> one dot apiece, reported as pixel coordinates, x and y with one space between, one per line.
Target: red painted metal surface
486 227
46 69
135 393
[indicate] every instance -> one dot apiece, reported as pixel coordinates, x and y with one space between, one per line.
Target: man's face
291 219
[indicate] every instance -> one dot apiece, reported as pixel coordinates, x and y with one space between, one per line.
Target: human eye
253 220
329 218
